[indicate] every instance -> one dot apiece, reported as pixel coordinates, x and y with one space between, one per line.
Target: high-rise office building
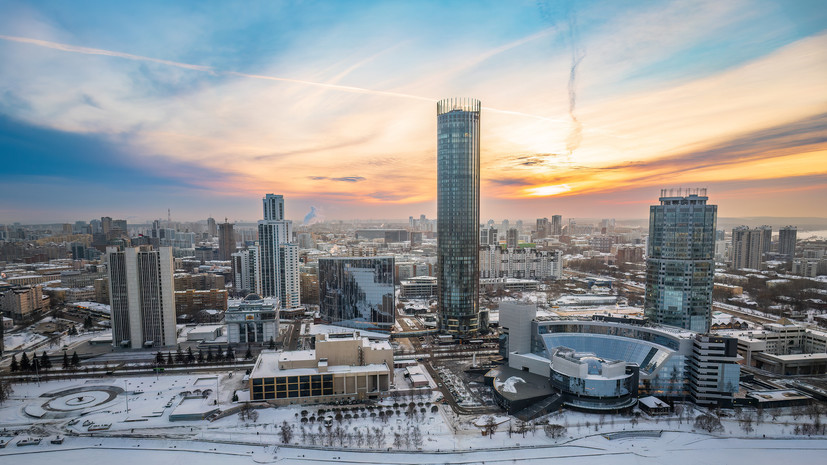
141 295
458 214
357 292
680 263
226 240
747 248
556 225
786 241
278 257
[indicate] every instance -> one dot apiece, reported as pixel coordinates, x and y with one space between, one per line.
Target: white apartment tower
278 257
245 270
141 293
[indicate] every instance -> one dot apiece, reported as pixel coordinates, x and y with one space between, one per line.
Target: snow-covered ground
430 427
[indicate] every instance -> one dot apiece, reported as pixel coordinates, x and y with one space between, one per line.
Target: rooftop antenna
169 216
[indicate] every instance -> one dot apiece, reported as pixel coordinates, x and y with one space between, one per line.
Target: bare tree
5 390
286 433
555 431
746 424
416 437
380 436
490 427
708 422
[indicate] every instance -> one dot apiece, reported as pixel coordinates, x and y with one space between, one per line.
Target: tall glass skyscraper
458 214
680 263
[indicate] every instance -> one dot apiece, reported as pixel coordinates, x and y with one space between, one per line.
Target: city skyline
590 107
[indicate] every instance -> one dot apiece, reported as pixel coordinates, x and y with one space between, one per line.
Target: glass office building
458 214
680 263
357 292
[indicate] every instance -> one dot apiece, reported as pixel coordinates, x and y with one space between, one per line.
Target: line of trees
41 363
189 357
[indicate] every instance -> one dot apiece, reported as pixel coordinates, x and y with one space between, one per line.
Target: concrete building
253 320
784 348
342 367
747 250
556 225
141 294
680 261
543 228
522 263
458 214
512 238
713 371
191 301
212 227
358 292
419 287
226 240
23 303
786 242
245 270
197 281
278 257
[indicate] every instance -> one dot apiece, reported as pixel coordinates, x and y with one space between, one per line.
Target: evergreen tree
200 356
75 359
230 354
35 365
190 356
272 344
65 360
249 354
159 358
169 358
179 356
14 366
45 361
209 355
88 323
25 365
73 331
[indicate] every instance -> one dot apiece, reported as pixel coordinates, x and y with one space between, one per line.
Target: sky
127 109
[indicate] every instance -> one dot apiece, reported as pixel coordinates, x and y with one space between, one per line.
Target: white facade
245 269
526 263
141 292
278 258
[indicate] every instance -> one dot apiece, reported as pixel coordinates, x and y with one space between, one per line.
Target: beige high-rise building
141 294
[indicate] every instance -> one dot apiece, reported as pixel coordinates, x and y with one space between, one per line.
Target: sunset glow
333 106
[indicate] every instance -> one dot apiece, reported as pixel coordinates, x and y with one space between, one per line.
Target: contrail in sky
216 72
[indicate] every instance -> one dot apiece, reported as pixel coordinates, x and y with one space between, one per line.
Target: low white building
253 320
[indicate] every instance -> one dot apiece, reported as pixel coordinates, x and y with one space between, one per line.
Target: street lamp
126 393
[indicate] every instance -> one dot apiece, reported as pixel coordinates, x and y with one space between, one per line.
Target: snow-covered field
672 448
358 434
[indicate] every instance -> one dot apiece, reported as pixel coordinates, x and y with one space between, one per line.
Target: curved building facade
589 382
458 214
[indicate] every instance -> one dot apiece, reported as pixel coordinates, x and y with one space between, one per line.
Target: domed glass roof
253 297
595 365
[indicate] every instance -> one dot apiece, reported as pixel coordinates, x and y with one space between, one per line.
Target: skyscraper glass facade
357 292
458 214
680 262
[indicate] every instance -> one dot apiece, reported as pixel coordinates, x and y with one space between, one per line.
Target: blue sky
127 109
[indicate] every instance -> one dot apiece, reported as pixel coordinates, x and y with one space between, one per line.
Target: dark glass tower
680 263
458 214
